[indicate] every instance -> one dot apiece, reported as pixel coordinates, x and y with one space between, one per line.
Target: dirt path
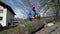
48 30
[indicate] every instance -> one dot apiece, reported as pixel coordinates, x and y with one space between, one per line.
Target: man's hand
36 15
32 17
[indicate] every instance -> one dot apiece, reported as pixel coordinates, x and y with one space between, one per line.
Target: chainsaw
36 18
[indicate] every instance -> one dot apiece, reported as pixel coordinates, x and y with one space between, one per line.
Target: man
33 13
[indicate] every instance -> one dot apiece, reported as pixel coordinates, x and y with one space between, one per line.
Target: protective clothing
31 14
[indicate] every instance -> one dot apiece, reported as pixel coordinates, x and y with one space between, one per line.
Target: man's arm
38 13
30 14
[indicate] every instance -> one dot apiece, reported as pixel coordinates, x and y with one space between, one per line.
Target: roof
7 6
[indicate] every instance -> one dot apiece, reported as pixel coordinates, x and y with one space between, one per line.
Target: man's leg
39 17
30 19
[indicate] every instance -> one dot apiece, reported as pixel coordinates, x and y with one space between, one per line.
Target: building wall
10 17
7 17
3 15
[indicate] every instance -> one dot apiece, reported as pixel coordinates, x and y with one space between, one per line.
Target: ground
22 28
55 29
29 27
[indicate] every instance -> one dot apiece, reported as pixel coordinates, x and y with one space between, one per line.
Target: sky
19 6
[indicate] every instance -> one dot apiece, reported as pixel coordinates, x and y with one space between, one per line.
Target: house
6 14
15 22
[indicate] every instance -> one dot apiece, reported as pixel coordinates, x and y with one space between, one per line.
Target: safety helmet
33 5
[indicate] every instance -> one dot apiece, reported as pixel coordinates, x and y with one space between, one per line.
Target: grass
32 27
27 28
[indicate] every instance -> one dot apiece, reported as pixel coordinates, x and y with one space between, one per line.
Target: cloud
19 13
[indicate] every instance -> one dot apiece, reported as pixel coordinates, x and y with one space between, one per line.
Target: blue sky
19 6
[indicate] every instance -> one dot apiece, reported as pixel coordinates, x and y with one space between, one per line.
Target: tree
55 3
50 4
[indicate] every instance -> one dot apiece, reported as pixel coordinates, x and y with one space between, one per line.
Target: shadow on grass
6 28
37 29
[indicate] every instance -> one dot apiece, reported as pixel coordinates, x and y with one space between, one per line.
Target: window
0 18
1 11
